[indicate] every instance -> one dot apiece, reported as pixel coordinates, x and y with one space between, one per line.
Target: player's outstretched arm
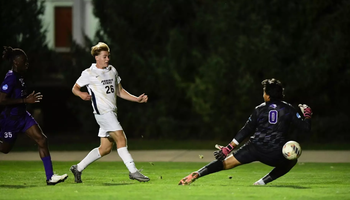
83 95
223 152
122 93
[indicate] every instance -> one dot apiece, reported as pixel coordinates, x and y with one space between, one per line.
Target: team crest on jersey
273 105
298 116
5 87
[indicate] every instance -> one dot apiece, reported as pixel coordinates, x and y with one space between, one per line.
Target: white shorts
108 122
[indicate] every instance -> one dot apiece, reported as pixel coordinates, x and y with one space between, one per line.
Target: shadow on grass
17 186
290 186
116 184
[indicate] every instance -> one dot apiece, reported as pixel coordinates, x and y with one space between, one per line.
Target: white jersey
102 85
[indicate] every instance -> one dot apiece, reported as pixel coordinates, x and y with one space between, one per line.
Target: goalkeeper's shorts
250 152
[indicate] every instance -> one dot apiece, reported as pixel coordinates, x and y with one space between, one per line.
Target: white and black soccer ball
291 150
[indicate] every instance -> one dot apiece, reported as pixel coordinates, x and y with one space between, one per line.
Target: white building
67 20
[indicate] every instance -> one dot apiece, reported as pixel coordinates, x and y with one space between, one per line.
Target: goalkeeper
267 127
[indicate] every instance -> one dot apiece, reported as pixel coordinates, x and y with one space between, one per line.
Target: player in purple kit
15 119
268 127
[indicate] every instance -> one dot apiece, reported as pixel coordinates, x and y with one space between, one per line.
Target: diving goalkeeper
268 128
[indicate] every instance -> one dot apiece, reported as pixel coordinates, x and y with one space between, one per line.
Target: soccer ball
291 150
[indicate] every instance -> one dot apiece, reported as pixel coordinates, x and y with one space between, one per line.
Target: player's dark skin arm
31 98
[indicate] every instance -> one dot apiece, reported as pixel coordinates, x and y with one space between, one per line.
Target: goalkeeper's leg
214 166
276 173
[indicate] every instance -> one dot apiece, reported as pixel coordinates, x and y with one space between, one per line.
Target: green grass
66 143
109 180
28 145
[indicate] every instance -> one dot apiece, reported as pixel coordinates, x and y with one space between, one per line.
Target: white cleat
56 179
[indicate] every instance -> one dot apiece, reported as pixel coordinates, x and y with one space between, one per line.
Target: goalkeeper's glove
306 110
222 153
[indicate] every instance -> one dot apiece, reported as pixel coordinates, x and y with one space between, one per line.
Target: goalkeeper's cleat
256 183
259 182
189 179
76 173
138 176
56 179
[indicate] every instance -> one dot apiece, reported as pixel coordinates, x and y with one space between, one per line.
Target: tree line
201 62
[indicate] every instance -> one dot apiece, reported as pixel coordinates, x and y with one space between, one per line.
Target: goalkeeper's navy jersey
270 123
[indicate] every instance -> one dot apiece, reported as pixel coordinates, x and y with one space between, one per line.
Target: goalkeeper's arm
223 152
245 132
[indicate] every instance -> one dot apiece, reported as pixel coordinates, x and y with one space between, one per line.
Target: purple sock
48 167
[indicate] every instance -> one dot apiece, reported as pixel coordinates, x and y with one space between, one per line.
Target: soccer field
109 180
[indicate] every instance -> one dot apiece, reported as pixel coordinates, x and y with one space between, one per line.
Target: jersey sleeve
248 128
117 77
300 122
84 79
8 84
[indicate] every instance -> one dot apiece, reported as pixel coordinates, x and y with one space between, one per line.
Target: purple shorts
10 128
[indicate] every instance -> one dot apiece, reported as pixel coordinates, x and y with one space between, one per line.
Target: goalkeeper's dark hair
273 88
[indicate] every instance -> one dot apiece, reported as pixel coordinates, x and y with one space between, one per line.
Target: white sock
90 158
127 159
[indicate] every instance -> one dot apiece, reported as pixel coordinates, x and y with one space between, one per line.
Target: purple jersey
14 119
15 88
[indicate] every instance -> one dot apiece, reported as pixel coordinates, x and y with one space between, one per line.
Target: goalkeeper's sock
267 179
91 157
127 159
212 167
279 171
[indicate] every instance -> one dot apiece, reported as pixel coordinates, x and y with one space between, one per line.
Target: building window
63 28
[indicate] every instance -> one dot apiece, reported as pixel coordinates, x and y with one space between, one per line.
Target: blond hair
96 50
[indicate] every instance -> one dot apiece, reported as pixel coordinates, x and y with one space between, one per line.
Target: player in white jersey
103 84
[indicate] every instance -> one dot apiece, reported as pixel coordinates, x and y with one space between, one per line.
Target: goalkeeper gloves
222 153
306 110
